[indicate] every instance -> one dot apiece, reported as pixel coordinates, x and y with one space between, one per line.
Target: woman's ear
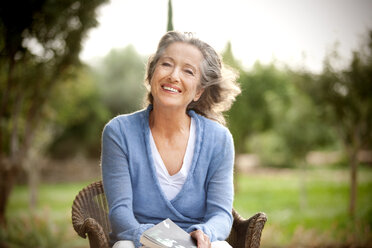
198 94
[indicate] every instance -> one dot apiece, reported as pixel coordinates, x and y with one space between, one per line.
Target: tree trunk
8 176
32 165
303 181
10 167
353 149
353 182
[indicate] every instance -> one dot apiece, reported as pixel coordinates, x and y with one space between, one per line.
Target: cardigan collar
199 124
190 112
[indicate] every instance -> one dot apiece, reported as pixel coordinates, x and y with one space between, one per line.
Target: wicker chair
89 217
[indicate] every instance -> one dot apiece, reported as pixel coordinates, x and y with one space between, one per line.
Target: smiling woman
216 80
175 158
176 79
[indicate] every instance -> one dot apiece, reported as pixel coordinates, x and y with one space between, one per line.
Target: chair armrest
83 223
96 235
246 233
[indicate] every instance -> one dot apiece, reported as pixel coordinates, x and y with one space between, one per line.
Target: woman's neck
169 122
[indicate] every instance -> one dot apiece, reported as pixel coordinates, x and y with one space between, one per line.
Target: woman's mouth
171 89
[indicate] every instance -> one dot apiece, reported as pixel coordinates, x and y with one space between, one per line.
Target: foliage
53 211
39 51
120 76
77 115
249 114
274 119
33 231
39 48
297 129
229 59
81 107
344 98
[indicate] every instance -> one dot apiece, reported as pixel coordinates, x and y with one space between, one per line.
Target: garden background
303 139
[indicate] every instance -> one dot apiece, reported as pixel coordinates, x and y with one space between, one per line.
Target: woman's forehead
183 51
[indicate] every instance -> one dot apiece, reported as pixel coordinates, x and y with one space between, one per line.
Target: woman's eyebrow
166 57
192 67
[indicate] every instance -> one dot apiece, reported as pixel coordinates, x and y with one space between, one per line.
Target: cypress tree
170 16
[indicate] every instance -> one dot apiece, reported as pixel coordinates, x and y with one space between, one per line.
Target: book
167 234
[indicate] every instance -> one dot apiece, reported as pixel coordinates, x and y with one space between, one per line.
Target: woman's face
176 79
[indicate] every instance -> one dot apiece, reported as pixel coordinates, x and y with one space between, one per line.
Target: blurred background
301 127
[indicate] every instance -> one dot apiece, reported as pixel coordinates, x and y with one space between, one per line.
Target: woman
175 158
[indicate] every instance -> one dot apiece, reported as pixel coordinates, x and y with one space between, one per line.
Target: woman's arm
118 188
220 193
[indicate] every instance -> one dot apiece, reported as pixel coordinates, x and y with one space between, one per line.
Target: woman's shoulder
212 132
131 120
211 125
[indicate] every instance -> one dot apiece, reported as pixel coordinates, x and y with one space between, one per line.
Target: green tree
77 115
344 97
120 76
296 126
229 59
299 129
170 16
81 106
40 41
250 113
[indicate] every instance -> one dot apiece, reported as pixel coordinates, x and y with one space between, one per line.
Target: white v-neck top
171 185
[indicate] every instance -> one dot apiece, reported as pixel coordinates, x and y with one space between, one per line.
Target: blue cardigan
135 198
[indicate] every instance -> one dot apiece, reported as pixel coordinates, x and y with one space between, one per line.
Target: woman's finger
201 238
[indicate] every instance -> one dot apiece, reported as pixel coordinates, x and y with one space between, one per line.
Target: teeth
170 89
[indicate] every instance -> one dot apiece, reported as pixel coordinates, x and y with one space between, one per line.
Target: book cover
167 234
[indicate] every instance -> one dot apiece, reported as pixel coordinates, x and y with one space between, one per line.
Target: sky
298 33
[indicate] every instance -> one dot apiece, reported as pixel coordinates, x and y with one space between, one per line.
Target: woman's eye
189 72
165 64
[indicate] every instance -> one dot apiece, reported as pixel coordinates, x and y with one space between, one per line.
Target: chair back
91 203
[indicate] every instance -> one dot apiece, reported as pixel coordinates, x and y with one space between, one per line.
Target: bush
33 231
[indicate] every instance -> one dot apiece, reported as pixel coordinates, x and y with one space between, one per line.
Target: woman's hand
201 238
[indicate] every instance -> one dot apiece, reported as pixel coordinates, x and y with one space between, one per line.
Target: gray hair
217 80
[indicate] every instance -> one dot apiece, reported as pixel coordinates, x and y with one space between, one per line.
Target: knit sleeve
118 188
220 193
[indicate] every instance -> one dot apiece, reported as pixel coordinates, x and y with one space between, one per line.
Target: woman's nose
175 75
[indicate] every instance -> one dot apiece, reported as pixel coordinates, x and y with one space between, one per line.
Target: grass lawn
49 225
322 221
